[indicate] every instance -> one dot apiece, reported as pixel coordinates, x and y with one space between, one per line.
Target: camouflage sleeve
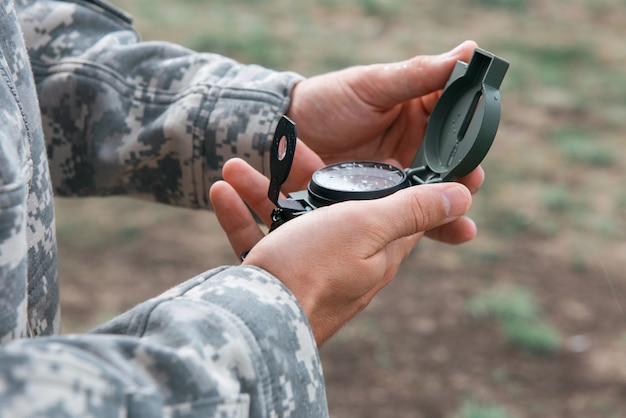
153 119
230 343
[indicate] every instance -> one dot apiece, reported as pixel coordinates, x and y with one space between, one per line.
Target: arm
233 341
145 118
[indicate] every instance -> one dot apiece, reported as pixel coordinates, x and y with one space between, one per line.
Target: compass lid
464 122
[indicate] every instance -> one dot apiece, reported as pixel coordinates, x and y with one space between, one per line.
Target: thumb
420 208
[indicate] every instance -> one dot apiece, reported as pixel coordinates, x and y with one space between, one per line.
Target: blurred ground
416 351
551 214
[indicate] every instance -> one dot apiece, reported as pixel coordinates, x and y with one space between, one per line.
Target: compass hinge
422 175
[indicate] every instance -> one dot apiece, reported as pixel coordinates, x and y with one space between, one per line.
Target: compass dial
356 176
358 180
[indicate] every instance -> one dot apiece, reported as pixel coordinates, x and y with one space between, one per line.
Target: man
159 121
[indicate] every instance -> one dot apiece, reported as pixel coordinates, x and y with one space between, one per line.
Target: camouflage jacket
120 116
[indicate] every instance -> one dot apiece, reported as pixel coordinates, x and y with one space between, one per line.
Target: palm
365 135
373 112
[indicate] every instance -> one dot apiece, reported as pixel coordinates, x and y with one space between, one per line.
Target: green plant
579 263
327 3
369 7
558 65
474 409
508 304
378 8
488 256
507 4
620 200
534 335
519 317
255 43
579 145
504 221
556 199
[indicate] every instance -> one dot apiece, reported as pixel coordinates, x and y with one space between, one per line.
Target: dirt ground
428 353
415 351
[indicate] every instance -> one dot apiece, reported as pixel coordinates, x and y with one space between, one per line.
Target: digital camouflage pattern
28 270
229 343
147 119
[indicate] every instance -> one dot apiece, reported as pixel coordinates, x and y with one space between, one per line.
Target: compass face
358 180
358 176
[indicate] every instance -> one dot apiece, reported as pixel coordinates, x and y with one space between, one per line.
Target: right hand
336 258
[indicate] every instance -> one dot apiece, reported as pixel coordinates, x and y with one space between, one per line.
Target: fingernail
455 201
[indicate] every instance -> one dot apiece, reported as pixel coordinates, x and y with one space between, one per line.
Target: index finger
251 185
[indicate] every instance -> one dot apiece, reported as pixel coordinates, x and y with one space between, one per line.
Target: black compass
460 132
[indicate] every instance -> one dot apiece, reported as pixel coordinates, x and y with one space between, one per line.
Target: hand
377 112
333 266
252 187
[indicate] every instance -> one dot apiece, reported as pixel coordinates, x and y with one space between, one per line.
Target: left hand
377 112
244 182
336 258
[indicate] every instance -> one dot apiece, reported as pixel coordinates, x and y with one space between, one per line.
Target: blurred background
528 320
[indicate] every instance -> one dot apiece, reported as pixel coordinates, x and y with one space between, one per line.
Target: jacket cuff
245 326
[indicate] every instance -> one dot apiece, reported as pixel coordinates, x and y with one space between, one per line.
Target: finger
456 232
393 161
390 84
418 209
234 217
251 186
474 180
305 162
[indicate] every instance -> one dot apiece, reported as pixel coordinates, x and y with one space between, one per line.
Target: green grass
579 145
579 264
474 409
505 222
534 336
254 44
566 75
97 224
487 256
519 318
381 8
504 304
549 63
505 4
556 199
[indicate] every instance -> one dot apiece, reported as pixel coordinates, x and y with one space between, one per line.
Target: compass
355 180
460 132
